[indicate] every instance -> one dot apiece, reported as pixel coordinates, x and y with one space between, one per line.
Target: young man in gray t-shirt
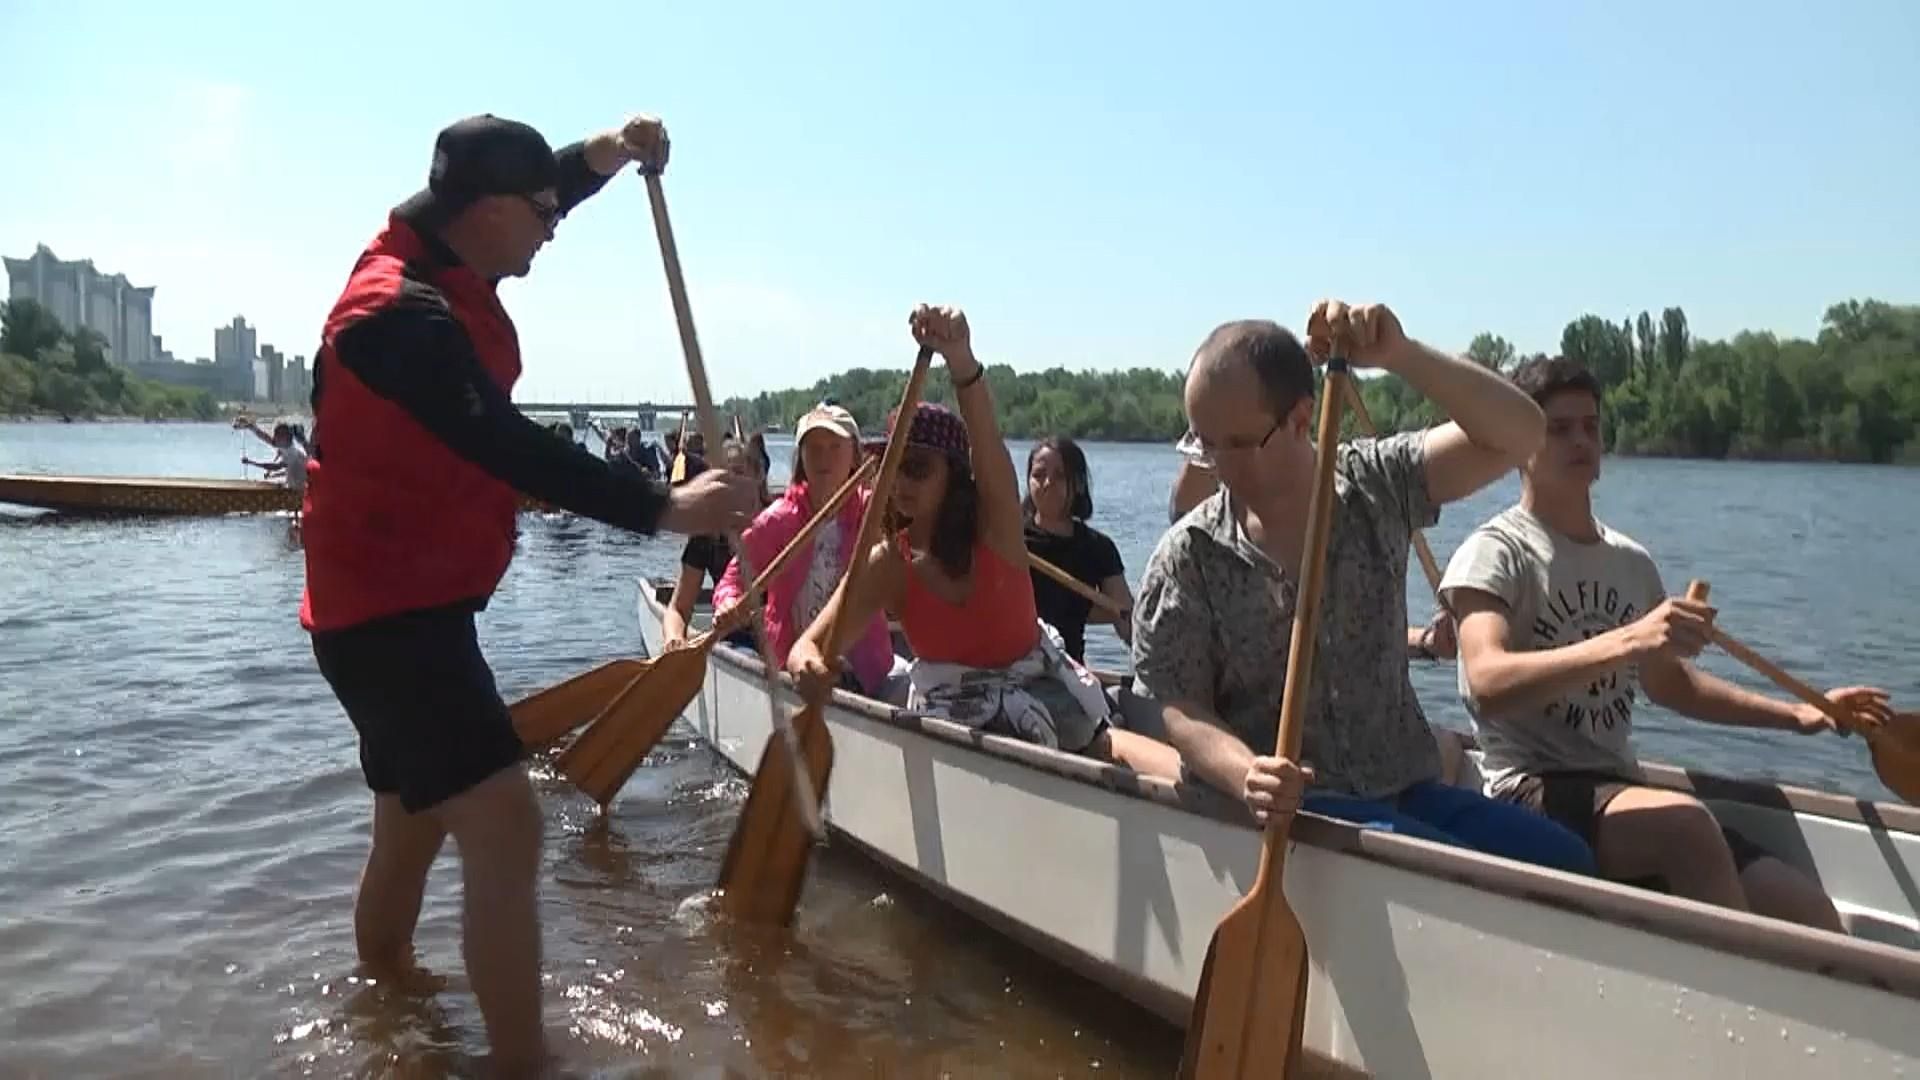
1562 621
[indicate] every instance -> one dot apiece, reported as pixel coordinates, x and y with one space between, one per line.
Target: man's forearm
1504 681
1493 413
1216 755
1715 700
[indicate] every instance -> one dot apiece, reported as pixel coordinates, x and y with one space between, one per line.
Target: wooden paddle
804 798
766 860
1251 1008
677 469
1075 585
1895 748
650 694
545 716
1420 548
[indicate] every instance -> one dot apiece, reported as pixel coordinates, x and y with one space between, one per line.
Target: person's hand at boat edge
945 331
813 674
1868 708
1274 785
641 140
717 501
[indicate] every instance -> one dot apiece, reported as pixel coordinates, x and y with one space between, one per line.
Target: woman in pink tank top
953 564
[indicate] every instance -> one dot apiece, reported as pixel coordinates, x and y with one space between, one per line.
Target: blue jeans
1450 815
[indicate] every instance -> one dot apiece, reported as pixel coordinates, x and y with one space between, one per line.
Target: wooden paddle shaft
1697 591
710 428
1073 584
837 631
1304 645
1428 563
704 413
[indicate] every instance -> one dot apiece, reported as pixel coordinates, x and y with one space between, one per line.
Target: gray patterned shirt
1215 613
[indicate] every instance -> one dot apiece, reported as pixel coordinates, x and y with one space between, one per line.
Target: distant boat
172 495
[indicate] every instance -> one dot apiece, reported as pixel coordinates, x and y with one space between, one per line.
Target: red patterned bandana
936 428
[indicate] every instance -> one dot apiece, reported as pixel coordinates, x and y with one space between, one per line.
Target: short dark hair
1079 478
1544 376
1276 356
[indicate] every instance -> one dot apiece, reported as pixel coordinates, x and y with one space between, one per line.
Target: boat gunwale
1872 964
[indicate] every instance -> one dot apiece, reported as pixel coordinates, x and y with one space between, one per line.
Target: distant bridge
642 413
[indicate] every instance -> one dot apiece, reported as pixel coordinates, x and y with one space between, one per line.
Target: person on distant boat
826 452
1562 621
1059 501
1196 481
616 442
644 456
410 508
953 568
290 460
707 556
1215 613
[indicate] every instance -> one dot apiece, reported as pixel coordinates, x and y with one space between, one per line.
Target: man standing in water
410 523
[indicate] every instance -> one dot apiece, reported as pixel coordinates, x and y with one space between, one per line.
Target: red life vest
394 521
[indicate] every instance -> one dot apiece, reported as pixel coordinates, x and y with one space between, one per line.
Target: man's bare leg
1779 891
393 883
1646 831
497 827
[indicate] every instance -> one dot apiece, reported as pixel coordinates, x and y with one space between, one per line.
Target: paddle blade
626 731
543 717
1896 756
1251 1008
767 858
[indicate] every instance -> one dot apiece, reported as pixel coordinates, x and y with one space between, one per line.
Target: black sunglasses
549 215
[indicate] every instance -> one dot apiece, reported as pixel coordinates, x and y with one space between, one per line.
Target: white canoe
1427 960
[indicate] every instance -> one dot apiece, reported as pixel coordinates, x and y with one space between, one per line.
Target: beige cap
830 418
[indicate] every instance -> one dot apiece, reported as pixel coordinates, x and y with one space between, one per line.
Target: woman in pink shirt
827 450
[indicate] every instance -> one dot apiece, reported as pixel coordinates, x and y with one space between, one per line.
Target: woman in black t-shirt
705 558
1059 500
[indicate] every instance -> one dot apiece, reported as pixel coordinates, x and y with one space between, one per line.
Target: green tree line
45 369
1120 406
1850 394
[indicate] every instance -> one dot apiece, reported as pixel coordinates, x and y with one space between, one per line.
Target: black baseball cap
479 156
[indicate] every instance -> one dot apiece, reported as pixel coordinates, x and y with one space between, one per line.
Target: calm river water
182 818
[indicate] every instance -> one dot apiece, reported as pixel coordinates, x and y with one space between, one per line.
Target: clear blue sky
1097 185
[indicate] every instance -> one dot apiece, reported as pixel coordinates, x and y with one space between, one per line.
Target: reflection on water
184 821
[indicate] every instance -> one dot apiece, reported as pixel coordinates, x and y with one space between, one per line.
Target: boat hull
157 495
1425 960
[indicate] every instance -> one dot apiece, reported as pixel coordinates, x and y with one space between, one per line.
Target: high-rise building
80 296
276 367
236 343
299 381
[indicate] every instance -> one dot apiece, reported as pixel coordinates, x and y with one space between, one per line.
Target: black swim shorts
431 722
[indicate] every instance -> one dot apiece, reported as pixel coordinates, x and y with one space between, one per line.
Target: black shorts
1575 799
430 719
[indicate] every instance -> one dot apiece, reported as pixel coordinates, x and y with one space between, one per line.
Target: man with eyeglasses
1195 481
1215 613
410 513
